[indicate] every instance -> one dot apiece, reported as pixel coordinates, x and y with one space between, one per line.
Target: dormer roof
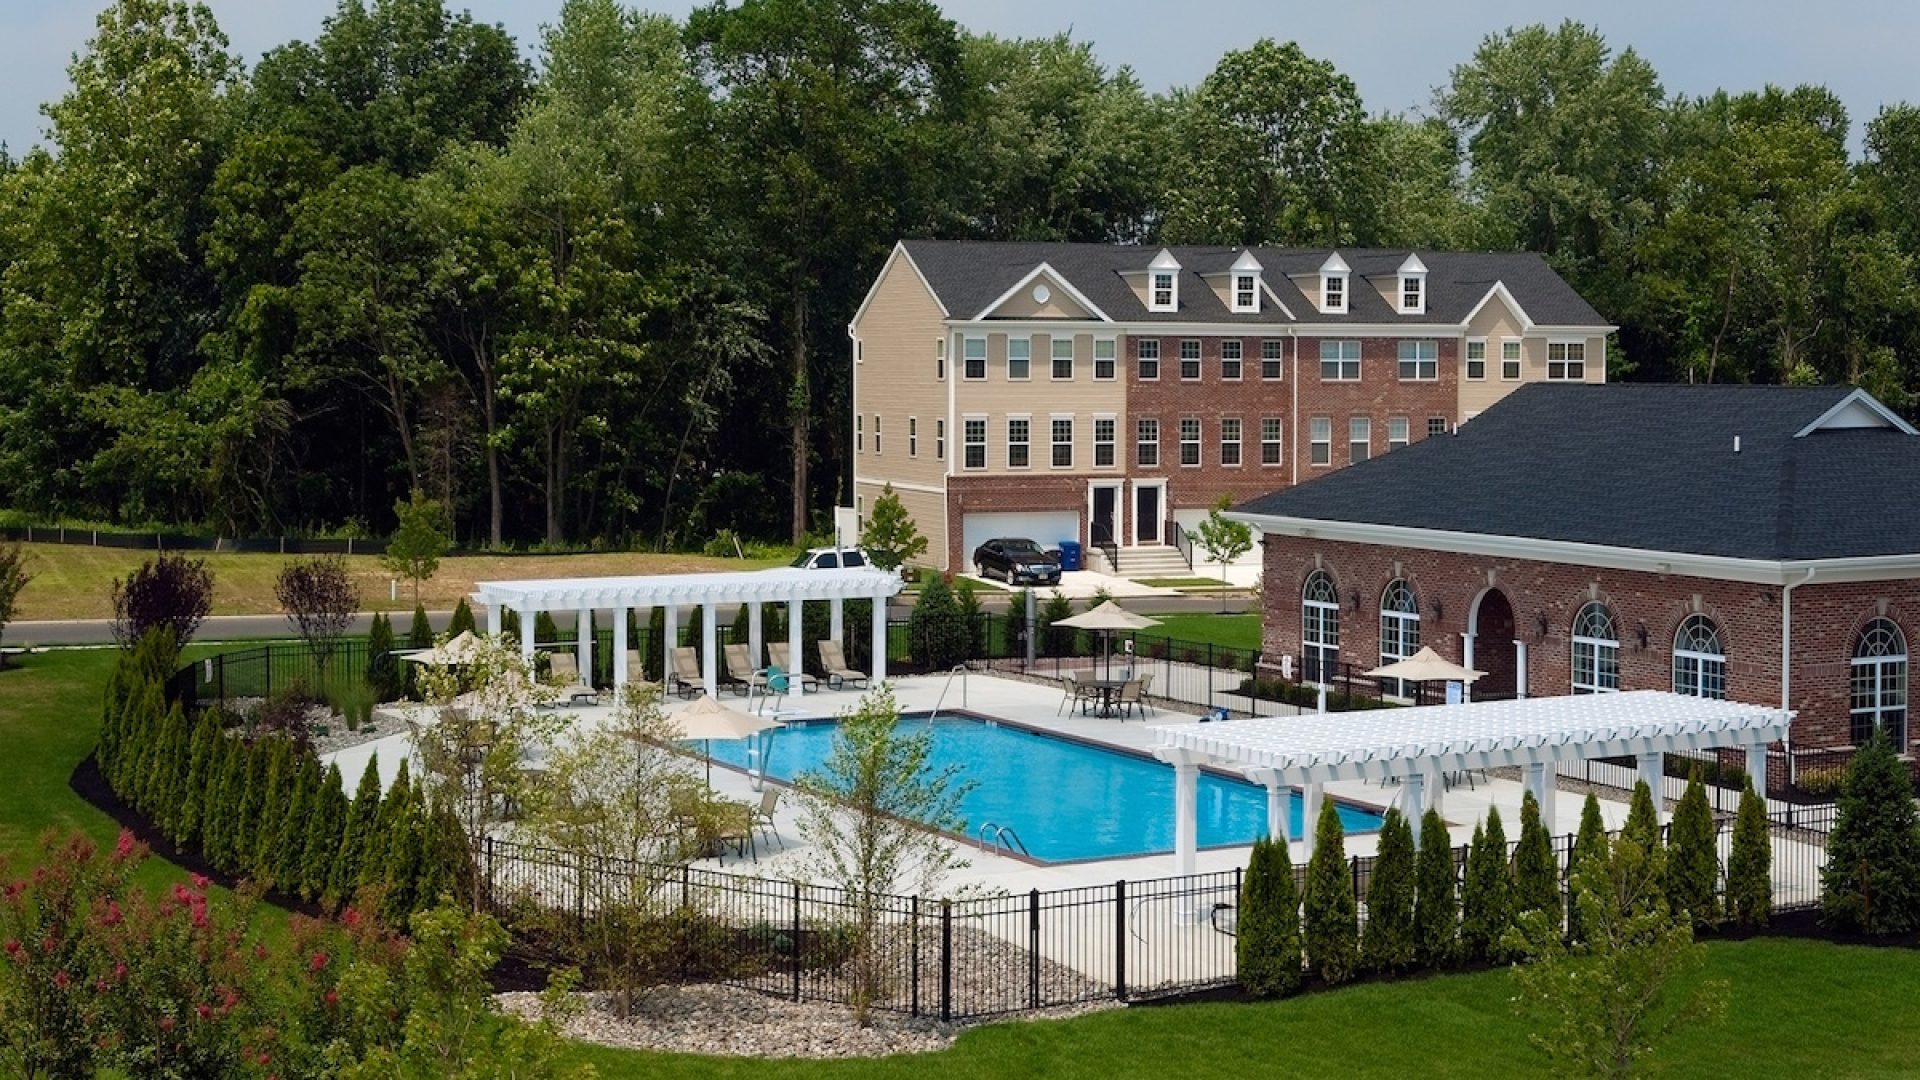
1335 265
1246 264
1413 265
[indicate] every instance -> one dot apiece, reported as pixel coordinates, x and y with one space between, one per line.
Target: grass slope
71 582
1233 631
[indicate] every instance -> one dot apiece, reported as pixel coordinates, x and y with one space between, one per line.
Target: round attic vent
1041 294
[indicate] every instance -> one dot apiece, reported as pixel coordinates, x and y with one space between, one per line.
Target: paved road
242 627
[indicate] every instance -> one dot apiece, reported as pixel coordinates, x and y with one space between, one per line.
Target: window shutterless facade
876 434
1399 630
913 436
973 430
1412 289
1190 440
973 352
1063 358
1272 359
859 433
1436 425
1104 351
1510 361
1230 360
1419 361
939 440
1246 292
1333 293
1062 443
1319 628
1476 358
1397 433
1189 359
1359 439
1019 358
1229 440
1877 695
1149 366
1339 361
1596 651
1146 441
1566 360
940 358
1162 290
1271 442
1019 442
1320 441
1699 660
1105 435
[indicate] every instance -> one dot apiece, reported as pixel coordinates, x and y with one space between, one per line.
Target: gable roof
967 275
1644 466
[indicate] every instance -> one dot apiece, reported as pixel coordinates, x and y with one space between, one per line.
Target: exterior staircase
1151 561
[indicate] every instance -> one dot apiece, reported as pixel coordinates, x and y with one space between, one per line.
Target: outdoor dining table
1109 691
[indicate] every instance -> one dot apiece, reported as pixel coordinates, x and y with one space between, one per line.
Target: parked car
828 558
1017 562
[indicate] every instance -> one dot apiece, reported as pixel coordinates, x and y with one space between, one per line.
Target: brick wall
1026 493
1826 620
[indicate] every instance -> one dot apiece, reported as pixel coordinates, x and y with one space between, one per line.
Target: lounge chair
834 660
637 672
742 674
780 656
687 680
565 674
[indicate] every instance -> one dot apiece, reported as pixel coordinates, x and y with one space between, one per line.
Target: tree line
593 289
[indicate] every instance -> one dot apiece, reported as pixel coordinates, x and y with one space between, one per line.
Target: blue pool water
1065 799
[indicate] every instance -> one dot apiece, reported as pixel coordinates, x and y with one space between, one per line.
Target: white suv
827 558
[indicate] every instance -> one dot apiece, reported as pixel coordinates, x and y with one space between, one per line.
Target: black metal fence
977 956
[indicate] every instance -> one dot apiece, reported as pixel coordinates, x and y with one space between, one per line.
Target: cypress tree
1387 943
222 804
303 805
420 634
446 867
1268 946
1750 864
270 813
653 657
1590 849
1693 858
201 761
405 865
383 845
357 835
546 632
1536 877
163 759
1436 906
1486 898
253 800
1643 819
177 773
325 838
113 707
383 669
1871 883
1332 918
462 620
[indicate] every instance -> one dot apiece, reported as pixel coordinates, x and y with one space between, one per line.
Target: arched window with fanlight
1319 627
1399 630
1878 697
1699 660
1596 651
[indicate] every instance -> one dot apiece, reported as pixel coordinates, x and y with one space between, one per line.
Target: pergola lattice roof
1378 743
734 587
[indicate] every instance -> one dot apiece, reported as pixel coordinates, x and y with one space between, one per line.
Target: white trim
1500 289
1575 553
901 485
1164 263
1065 286
899 251
758 586
1854 402
1133 508
1466 344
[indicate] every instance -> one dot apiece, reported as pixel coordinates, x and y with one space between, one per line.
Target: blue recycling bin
1069 554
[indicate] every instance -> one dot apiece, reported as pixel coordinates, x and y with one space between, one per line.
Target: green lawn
1233 631
1797 1009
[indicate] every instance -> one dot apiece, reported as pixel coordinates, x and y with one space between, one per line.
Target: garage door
1045 529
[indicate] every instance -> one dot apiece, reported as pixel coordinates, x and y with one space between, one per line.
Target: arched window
1699 660
1399 630
1596 651
1319 627
1879 691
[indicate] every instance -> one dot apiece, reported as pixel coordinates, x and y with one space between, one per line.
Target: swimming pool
1066 800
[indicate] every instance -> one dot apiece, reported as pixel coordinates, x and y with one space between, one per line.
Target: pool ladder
1002 836
957 669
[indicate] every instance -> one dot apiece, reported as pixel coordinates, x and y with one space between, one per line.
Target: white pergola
1418 745
792 587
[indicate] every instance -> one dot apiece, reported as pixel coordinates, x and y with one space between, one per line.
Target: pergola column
796 628
1277 792
1436 780
1652 774
879 638
1757 768
1416 800
620 672
1519 669
1536 776
1310 815
1549 794
709 658
527 618
583 644
756 639
669 639
494 618
1186 831
837 620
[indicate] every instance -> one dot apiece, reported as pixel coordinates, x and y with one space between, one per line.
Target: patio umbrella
707 719
458 650
1107 618
1425 666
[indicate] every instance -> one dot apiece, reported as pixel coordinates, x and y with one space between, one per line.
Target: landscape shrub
1486 897
1387 943
1332 918
1436 910
1268 925
1871 883
1693 858
1536 877
1750 864
936 628
420 631
1589 853
383 666
1055 640
461 621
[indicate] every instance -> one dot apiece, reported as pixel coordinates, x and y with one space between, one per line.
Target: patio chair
763 814
565 673
742 674
1129 699
780 656
834 660
1070 692
686 679
1146 688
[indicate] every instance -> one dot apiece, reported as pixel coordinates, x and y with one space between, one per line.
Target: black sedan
1017 562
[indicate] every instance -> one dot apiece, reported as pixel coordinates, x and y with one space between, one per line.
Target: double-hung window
1699 660
1340 361
1397 433
1271 445
1019 442
1420 360
1271 360
1510 361
974 356
876 433
1190 440
1149 359
1019 358
939 440
913 436
973 430
1103 354
1246 292
1436 425
1189 359
1105 434
1229 440
1596 651
1146 441
1163 290
859 433
1320 441
1476 358
1063 442
940 358
1230 360
1567 360
1359 439
1063 358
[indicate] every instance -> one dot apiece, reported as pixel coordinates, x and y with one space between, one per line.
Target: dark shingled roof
968 275
1644 466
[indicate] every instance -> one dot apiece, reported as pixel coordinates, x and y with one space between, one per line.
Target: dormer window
1163 283
1413 286
1333 285
1246 283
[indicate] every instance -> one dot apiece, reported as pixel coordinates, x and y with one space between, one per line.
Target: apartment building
1112 394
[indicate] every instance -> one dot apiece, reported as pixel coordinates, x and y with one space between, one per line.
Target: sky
1396 53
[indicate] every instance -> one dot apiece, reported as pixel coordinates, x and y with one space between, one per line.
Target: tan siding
1596 359
928 511
896 378
1497 323
1040 398
1059 305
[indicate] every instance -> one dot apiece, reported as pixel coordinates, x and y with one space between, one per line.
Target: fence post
795 938
268 650
220 677
1209 675
487 881
913 962
1033 948
946 960
1120 940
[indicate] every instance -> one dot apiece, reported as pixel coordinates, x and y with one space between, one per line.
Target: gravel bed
337 737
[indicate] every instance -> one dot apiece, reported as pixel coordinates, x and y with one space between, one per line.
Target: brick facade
1038 492
1546 597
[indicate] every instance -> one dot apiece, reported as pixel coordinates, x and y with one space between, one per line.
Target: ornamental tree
419 541
1871 883
171 591
890 538
1332 917
1268 946
319 598
13 580
1223 540
1387 943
